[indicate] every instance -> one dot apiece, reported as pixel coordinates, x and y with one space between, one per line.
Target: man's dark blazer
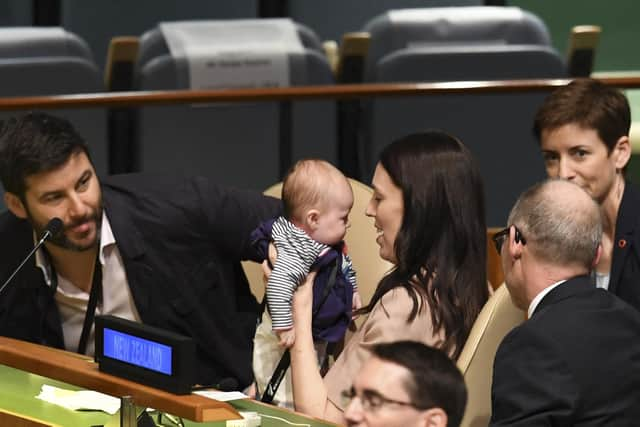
575 362
625 265
181 242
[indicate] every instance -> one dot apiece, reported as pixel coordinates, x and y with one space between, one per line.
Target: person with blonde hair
317 200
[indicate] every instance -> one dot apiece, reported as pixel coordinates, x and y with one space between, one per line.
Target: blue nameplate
145 354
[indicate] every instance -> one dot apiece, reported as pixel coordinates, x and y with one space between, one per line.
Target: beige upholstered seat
496 319
361 243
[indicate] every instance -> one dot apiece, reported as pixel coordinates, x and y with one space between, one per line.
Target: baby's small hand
356 303
286 337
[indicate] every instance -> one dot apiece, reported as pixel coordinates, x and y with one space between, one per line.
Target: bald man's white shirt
536 300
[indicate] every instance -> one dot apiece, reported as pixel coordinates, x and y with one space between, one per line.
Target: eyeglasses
370 400
500 236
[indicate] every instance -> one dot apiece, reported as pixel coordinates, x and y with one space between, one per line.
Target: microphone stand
46 235
53 227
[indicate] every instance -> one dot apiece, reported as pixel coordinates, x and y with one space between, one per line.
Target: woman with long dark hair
428 207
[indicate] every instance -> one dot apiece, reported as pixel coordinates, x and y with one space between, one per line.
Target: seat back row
252 144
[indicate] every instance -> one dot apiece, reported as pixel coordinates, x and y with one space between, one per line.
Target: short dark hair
33 143
435 381
442 243
590 104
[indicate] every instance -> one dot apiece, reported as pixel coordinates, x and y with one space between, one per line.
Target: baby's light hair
307 185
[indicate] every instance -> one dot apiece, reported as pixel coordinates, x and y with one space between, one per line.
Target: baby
317 199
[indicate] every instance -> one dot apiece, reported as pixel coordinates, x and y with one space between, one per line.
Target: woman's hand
303 296
266 264
266 271
356 303
309 391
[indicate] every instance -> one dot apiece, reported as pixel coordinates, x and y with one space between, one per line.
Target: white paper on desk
221 396
83 399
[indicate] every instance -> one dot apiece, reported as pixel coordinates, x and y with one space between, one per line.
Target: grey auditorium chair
233 143
463 44
451 26
52 61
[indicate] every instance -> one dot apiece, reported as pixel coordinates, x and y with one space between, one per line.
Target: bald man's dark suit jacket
181 241
576 362
624 280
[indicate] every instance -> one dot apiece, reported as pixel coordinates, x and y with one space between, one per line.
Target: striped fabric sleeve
296 253
349 272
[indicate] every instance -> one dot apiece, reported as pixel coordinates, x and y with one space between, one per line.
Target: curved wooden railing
297 93
300 93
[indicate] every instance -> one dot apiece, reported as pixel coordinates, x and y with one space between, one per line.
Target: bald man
576 361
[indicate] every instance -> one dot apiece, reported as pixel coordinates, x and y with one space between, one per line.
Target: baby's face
333 220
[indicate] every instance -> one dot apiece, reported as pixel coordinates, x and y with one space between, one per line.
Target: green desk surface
19 388
18 391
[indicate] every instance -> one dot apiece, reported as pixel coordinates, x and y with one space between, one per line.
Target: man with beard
157 250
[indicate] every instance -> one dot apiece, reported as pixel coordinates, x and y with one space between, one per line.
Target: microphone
53 228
